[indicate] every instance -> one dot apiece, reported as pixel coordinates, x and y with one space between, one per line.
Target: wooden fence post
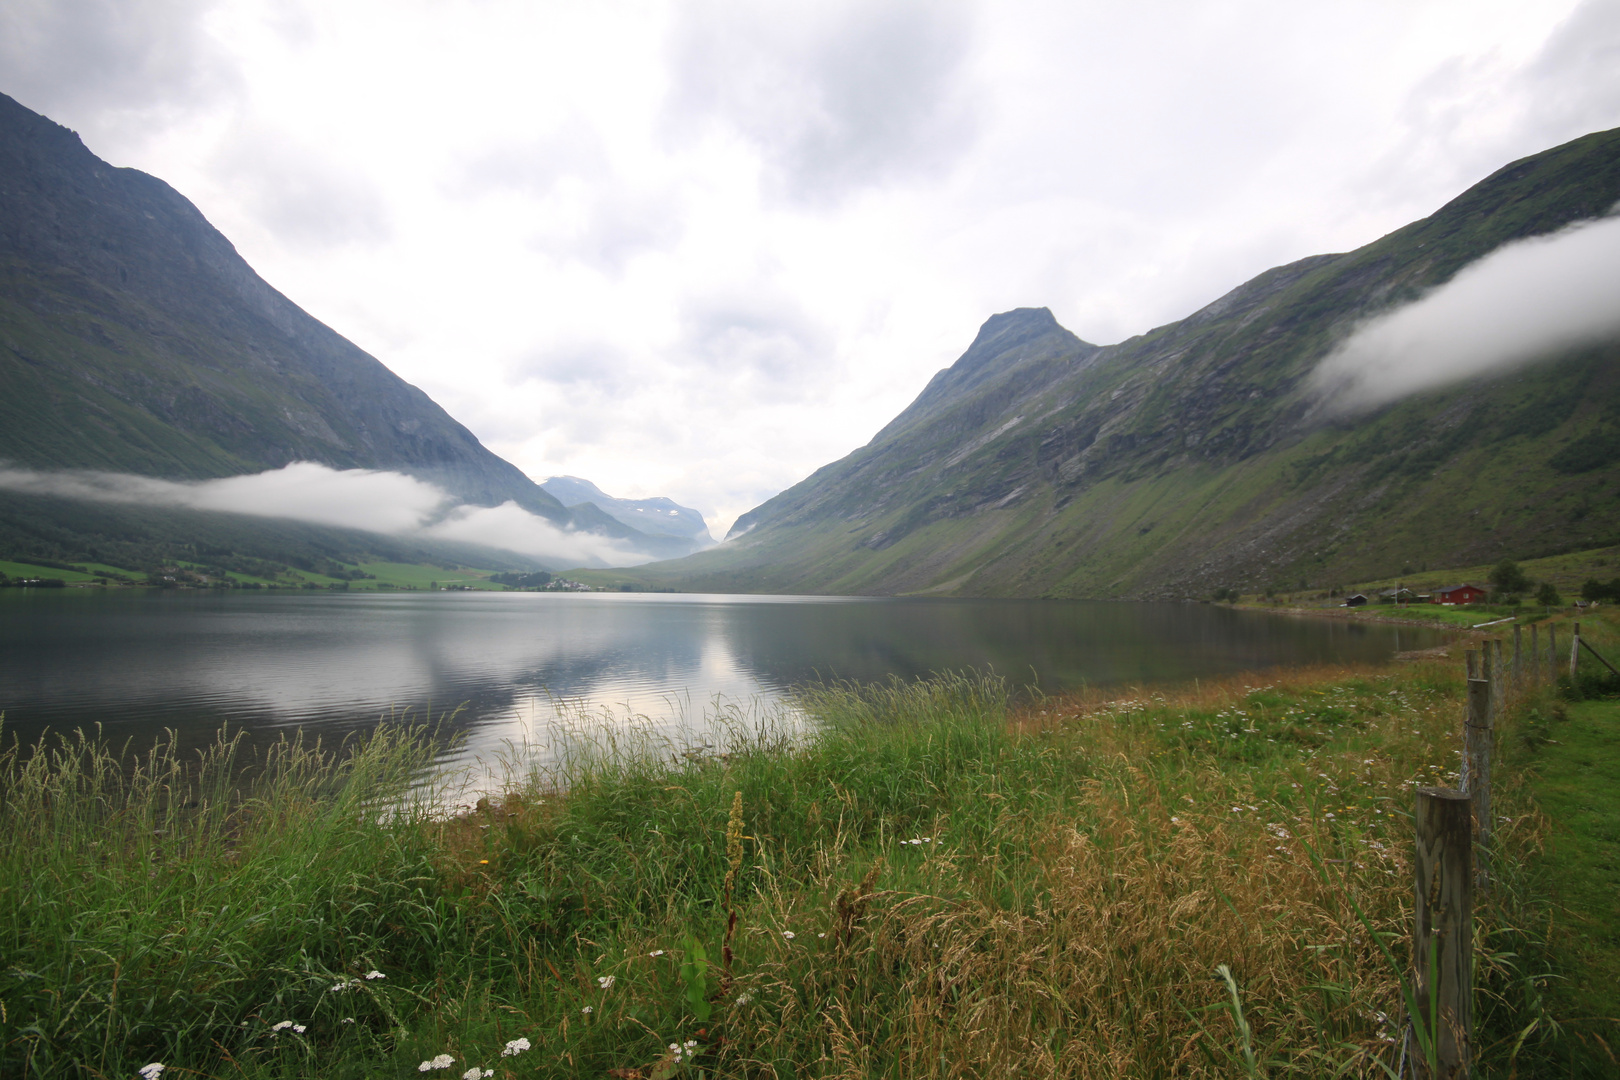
1574 653
1499 686
1477 734
1443 932
1535 654
1518 656
1552 655
1473 663
1491 670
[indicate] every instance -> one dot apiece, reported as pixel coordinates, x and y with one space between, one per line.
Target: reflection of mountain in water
137 662
1060 644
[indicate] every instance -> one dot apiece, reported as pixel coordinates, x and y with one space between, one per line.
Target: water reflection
137 662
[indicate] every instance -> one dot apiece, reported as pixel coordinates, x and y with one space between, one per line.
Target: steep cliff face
134 338
1194 456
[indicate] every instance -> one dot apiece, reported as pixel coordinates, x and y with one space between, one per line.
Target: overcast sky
701 249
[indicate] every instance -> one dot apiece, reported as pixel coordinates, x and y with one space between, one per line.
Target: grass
1571 751
932 881
384 575
87 576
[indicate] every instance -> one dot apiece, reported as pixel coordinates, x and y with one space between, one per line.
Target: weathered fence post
1492 672
1473 662
1574 653
1518 657
1477 735
1535 654
1443 933
1552 655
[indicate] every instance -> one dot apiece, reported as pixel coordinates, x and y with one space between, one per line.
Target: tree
1508 578
1597 590
1547 595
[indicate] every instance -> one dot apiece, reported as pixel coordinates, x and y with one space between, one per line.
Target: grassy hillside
1193 457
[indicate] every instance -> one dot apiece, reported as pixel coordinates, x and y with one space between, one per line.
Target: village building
1459 594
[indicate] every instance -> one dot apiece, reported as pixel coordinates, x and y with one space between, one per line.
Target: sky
700 249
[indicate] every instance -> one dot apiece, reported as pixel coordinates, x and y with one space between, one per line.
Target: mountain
1195 456
655 517
134 339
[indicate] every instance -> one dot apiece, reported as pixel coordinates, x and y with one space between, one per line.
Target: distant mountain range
658 517
1196 456
134 339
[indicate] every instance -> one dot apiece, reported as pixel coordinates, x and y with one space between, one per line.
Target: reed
927 880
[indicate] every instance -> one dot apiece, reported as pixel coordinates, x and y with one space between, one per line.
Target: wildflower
483 862
348 1020
346 984
443 1061
475 1073
656 952
605 981
298 1029
152 1071
587 1010
744 998
821 935
517 1046
788 934
375 975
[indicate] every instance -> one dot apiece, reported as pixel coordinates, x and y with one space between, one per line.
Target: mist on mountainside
372 500
1526 301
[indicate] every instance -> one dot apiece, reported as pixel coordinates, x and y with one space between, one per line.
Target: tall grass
932 882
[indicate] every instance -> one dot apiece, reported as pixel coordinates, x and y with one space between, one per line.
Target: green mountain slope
1193 457
134 339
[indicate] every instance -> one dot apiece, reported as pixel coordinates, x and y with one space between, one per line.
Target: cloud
1574 83
757 334
533 167
119 55
1525 301
302 196
837 97
379 502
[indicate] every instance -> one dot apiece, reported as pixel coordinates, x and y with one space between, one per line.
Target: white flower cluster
915 842
515 1047
475 1073
277 1029
350 984
152 1071
443 1061
682 1051
605 981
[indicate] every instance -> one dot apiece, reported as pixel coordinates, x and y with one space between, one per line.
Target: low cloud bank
380 502
1525 301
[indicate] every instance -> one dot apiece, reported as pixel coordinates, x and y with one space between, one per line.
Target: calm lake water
512 663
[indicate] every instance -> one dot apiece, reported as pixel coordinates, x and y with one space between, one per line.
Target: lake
509 664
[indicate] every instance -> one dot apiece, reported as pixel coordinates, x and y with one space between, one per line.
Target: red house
1459 594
